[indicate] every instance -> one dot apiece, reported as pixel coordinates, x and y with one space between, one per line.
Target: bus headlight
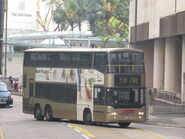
141 113
114 114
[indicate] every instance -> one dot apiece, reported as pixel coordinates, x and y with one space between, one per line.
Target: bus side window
76 59
65 59
86 60
100 61
27 59
33 58
99 97
52 59
42 59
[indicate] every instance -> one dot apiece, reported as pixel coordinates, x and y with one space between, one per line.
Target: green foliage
107 18
114 37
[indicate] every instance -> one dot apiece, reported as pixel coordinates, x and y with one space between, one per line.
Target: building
22 20
158 27
21 15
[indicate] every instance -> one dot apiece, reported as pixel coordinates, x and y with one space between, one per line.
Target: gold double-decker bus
85 84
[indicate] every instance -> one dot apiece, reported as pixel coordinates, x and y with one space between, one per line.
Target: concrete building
158 27
22 15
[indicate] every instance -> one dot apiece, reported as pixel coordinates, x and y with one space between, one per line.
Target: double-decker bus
104 85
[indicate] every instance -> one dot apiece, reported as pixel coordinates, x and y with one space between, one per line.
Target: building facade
23 15
158 28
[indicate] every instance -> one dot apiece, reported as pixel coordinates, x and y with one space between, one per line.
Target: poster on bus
56 75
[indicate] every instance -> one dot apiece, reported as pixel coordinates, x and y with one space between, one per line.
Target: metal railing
168 97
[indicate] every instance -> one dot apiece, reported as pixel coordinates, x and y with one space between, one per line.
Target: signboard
127 80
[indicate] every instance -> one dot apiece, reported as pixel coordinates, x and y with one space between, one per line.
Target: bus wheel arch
48 112
87 116
38 113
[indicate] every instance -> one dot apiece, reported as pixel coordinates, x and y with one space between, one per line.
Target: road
16 125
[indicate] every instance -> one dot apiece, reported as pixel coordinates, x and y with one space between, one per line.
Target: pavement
169 120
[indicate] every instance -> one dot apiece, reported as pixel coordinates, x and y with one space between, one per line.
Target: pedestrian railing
168 97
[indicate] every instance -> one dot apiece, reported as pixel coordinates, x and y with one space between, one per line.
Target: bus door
99 104
31 93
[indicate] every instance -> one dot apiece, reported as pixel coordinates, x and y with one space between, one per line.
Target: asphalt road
16 125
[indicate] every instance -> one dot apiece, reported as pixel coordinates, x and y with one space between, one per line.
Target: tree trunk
80 26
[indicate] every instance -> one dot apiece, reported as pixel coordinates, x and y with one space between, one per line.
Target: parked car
5 95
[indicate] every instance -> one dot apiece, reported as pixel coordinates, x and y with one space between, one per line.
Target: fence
169 97
161 101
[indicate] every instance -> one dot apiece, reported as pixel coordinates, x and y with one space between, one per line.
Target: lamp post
1 32
135 33
6 26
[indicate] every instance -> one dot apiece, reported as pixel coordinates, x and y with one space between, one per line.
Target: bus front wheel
38 113
87 118
124 124
48 113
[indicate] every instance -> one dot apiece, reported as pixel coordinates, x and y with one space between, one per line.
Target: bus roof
81 50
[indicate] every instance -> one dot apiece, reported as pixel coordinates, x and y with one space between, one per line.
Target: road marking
150 133
82 130
1 134
170 125
85 136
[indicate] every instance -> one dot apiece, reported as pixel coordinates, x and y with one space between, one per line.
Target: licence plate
128 117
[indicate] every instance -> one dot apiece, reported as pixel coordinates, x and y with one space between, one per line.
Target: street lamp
135 32
6 26
1 32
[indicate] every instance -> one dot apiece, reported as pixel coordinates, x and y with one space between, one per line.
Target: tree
94 13
45 20
105 17
72 14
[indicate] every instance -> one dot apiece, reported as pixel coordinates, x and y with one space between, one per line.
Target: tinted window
65 59
41 59
126 62
86 60
26 59
76 59
101 61
56 92
56 59
99 96
121 98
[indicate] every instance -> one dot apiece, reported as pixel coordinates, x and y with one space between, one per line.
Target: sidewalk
169 120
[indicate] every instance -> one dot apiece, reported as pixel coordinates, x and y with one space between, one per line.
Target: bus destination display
127 80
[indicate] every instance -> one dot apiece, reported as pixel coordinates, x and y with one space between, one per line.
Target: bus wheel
48 113
87 117
38 113
125 124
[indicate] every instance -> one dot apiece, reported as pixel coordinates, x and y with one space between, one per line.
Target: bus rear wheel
48 113
87 118
124 124
38 113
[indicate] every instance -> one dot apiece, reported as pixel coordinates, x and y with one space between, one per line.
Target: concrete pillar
183 71
172 72
178 65
148 48
158 74
169 65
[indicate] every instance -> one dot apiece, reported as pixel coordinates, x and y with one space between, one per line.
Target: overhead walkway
58 39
